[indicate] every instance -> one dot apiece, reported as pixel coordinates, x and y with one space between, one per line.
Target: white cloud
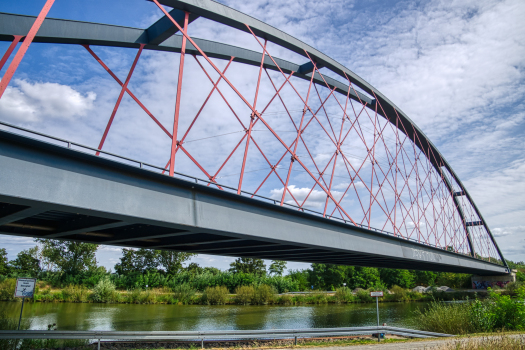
26 101
317 198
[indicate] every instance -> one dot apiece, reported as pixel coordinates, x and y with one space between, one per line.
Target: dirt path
442 343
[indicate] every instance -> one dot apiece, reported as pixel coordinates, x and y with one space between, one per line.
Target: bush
244 294
7 289
498 312
217 295
264 294
285 299
183 293
344 295
364 296
104 291
75 294
400 294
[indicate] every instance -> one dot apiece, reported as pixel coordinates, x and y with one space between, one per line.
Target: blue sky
455 67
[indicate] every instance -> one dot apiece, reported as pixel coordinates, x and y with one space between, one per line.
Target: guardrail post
202 343
98 346
295 341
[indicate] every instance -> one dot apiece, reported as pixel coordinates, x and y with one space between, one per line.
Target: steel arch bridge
312 137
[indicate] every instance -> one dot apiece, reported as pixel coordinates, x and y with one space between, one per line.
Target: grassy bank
495 314
105 291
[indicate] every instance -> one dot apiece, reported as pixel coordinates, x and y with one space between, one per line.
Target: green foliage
248 265
172 261
27 263
363 296
69 257
397 277
4 267
454 280
498 312
7 289
344 295
277 267
104 291
399 294
264 294
330 277
217 295
244 294
300 278
183 293
75 294
425 278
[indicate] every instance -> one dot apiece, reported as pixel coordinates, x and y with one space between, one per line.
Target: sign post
377 295
25 288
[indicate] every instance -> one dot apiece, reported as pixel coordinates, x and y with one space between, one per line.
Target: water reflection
129 317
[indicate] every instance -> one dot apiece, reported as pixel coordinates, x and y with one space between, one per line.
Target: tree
137 261
277 267
427 278
248 265
397 277
69 257
194 269
4 267
172 261
27 262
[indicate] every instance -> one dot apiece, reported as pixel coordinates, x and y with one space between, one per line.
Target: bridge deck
50 191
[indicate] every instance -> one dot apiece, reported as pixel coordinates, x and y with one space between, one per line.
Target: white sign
376 294
25 287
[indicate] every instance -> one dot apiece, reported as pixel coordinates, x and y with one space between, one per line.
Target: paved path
416 345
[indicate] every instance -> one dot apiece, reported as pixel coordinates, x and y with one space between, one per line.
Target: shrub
344 295
317 298
264 294
285 299
364 296
217 295
244 294
75 294
183 293
7 289
443 318
400 294
104 291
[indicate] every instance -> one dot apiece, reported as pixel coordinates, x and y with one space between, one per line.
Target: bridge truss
312 136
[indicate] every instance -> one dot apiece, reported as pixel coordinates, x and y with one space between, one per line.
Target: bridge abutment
483 282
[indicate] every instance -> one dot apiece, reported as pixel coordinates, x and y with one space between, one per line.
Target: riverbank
105 292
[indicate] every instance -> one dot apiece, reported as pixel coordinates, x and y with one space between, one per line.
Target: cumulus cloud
26 101
316 199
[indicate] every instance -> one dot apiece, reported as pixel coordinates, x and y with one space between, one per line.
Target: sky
456 68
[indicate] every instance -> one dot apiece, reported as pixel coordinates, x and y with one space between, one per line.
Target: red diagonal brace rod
10 50
177 102
106 68
25 45
110 121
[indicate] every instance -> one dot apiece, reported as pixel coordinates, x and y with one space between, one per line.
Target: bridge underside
49 191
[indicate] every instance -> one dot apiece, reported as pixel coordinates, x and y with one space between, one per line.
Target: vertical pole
25 45
98 346
377 309
177 100
21 310
252 117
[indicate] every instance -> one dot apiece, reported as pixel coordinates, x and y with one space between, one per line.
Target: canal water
160 317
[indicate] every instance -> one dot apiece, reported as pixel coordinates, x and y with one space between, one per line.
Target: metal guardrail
218 335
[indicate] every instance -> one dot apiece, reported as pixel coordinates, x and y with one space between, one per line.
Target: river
161 317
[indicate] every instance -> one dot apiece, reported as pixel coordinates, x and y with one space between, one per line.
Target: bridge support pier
483 282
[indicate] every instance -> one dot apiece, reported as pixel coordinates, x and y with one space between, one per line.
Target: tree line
64 263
